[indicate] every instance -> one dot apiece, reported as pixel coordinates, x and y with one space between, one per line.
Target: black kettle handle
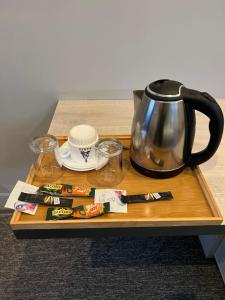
207 105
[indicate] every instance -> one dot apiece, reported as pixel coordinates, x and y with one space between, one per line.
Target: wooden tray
193 203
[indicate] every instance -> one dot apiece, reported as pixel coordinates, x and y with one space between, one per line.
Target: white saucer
79 166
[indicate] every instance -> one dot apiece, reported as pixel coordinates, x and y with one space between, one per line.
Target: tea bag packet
143 198
79 212
46 200
13 201
114 197
66 190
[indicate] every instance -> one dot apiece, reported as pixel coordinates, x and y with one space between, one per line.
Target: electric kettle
163 128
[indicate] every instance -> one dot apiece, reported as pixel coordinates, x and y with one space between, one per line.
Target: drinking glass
47 163
108 155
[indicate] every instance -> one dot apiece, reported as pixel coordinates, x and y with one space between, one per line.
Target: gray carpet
106 268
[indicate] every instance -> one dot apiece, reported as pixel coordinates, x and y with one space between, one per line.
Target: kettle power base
193 204
154 174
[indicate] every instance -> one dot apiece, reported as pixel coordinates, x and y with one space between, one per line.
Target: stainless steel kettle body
164 126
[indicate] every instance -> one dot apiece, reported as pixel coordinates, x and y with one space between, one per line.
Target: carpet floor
106 268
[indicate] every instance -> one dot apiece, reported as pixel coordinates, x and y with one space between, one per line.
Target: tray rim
216 219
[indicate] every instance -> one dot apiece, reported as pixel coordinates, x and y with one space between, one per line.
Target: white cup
81 144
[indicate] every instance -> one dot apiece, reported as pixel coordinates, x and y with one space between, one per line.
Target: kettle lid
164 89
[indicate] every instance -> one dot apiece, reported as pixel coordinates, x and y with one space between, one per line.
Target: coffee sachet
79 212
65 190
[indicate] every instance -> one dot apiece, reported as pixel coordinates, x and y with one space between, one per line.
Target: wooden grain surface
107 116
115 117
192 205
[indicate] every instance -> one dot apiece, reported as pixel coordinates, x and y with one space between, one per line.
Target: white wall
97 49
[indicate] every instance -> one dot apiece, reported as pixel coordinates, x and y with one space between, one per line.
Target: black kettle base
156 174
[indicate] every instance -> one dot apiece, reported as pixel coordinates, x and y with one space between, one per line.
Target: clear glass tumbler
108 154
47 162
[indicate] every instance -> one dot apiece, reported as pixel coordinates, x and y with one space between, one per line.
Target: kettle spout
137 94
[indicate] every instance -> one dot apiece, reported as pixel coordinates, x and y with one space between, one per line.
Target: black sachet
143 198
46 200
